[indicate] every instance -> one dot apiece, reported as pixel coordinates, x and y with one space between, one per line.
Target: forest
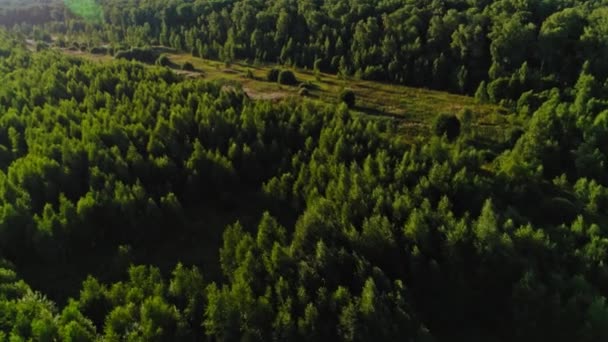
141 200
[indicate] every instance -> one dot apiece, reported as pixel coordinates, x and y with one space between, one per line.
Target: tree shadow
377 112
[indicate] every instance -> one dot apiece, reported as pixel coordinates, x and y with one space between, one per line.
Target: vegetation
163 60
145 55
347 96
140 203
447 44
447 125
273 75
286 77
188 67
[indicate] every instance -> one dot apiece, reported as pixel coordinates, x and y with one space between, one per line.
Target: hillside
304 170
413 108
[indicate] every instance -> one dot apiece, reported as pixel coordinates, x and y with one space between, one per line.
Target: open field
413 108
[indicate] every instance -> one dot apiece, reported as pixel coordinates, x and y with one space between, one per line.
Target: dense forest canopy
443 44
139 204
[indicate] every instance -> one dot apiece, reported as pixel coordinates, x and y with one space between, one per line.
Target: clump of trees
145 55
348 97
285 77
187 66
445 44
448 125
273 75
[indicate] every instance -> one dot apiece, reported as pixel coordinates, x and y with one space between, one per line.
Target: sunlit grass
413 108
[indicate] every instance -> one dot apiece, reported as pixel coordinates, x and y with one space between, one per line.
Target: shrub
273 75
145 55
286 77
188 66
163 60
348 96
373 73
498 89
41 46
466 121
303 92
250 74
318 64
514 134
99 50
481 95
446 124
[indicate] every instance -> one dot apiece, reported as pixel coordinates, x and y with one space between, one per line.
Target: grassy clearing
413 108
87 55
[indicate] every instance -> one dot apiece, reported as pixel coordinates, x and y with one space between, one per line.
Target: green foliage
99 50
163 60
287 77
145 55
328 226
273 75
318 65
348 97
187 66
481 95
448 125
441 45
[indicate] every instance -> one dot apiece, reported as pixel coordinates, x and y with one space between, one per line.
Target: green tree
448 125
347 96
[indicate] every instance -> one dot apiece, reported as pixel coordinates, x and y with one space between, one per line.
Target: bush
514 134
99 50
286 77
188 66
145 55
250 74
273 75
446 124
348 96
40 46
318 64
481 95
374 73
303 92
163 60
499 89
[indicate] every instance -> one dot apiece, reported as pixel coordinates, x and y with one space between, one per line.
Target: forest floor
413 108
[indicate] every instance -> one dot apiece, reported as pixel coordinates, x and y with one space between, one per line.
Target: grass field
413 108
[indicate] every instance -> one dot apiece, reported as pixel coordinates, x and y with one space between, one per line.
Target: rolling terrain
413 108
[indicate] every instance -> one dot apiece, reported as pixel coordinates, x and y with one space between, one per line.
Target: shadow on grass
249 66
377 112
